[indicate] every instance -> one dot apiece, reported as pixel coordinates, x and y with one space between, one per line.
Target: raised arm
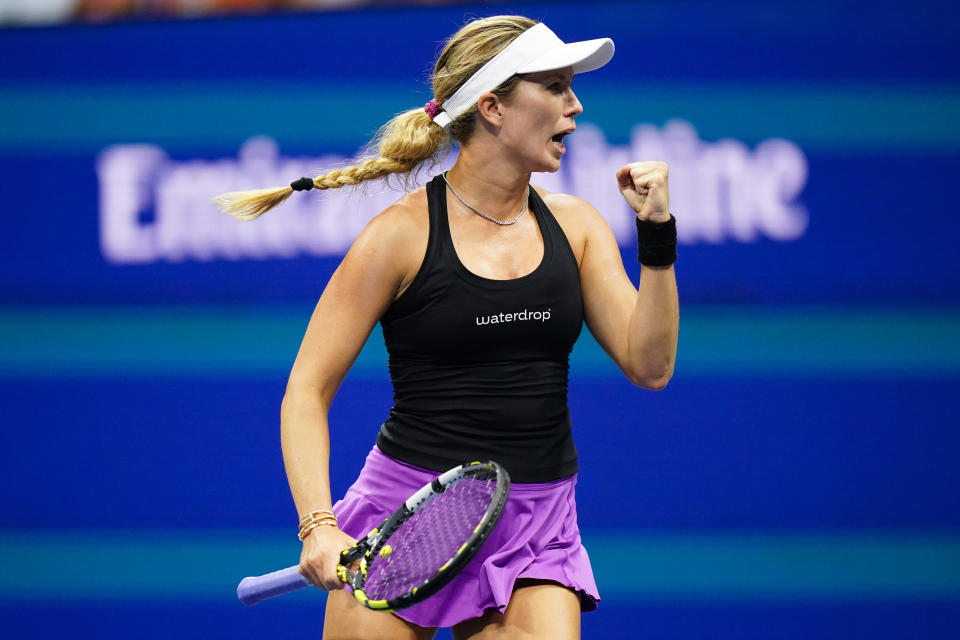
379 265
636 326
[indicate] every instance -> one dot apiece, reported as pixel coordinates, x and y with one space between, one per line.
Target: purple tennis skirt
537 537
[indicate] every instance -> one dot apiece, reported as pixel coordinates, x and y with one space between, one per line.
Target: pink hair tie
432 109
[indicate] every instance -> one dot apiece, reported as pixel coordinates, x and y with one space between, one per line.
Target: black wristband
657 242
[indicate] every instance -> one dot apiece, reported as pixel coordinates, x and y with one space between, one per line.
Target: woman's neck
494 187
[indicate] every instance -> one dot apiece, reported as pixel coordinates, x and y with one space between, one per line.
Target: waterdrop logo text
517 316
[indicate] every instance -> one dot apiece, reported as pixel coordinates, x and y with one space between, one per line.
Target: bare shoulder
394 228
577 217
397 237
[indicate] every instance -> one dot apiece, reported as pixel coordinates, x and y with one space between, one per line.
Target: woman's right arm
381 263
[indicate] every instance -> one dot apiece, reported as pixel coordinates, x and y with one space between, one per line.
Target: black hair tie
303 184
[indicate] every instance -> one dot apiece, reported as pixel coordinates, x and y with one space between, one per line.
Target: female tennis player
481 282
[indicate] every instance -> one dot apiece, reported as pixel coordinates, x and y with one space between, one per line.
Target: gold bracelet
306 529
314 520
310 516
304 523
318 520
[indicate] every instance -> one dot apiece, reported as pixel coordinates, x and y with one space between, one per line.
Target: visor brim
584 56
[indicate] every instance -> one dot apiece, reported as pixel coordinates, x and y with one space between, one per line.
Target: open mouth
558 138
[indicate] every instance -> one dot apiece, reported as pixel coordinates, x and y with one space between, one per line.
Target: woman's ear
491 109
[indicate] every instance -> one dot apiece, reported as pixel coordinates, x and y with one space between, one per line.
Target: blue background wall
797 478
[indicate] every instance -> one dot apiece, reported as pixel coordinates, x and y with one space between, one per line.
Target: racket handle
255 589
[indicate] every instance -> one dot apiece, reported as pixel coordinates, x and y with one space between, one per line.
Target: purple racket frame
374 546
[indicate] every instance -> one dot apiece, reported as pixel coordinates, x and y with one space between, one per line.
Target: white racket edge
428 492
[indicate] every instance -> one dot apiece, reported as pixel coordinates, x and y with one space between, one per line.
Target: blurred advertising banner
153 208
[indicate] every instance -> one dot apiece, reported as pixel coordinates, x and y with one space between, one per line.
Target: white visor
536 49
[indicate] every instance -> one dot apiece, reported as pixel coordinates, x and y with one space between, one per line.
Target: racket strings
430 538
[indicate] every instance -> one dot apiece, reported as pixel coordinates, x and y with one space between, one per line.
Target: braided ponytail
403 143
412 137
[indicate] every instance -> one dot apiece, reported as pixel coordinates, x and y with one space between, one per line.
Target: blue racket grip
255 589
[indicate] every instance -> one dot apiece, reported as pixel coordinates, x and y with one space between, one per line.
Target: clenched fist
644 187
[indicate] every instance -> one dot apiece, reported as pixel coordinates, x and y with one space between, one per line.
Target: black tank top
479 367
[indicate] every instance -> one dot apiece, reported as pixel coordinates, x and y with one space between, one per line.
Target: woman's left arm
637 326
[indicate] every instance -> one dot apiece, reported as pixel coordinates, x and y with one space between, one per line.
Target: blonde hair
410 138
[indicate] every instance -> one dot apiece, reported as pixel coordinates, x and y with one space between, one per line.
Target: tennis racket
419 548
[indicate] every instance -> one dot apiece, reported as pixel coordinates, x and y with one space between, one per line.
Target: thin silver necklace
481 213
